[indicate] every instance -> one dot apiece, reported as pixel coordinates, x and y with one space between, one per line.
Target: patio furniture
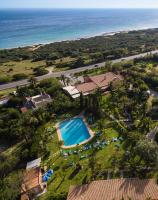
114 139
47 175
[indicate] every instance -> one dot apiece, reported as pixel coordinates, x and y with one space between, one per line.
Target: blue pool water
74 131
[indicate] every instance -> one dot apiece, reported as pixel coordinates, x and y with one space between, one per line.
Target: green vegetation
121 119
73 54
6 92
123 115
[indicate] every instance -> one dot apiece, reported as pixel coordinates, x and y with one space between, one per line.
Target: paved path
72 71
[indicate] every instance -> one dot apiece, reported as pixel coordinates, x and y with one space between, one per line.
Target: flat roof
72 90
4 101
33 164
41 97
74 96
116 189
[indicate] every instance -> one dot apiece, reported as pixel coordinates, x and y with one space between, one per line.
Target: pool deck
92 133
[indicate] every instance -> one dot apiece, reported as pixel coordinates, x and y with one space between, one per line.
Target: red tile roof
86 87
23 109
32 178
98 81
103 80
116 189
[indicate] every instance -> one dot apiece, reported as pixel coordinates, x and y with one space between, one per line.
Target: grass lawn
64 167
6 92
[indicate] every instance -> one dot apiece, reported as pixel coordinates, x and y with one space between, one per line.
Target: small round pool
74 132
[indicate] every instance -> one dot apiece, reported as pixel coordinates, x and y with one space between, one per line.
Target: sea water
21 27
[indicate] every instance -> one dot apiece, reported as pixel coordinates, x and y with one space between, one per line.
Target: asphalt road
72 71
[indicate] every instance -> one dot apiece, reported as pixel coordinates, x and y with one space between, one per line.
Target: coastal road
71 71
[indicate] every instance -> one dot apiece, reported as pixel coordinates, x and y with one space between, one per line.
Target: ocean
22 27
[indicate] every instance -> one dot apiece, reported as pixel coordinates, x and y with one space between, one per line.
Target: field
26 67
13 67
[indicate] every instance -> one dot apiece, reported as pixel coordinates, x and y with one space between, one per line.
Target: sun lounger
114 139
47 175
65 154
104 143
117 145
120 138
83 156
98 133
70 152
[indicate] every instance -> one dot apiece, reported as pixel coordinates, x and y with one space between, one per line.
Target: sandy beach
36 46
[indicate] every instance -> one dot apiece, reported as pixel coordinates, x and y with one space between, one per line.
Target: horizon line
80 8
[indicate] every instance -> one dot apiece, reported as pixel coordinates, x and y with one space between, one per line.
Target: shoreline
103 34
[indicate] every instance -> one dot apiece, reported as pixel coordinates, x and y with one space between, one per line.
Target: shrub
14 102
4 79
20 76
51 85
39 71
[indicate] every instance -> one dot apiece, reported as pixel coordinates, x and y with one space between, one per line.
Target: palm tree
26 126
94 102
41 115
92 163
63 78
33 82
68 81
81 101
60 143
101 124
145 124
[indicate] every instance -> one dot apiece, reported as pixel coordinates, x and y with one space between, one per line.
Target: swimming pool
74 131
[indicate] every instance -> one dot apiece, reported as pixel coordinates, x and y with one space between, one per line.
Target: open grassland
27 67
13 67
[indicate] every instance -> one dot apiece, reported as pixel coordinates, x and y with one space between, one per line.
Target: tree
63 78
101 124
39 71
10 187
15 102
26 127
81 101
79 62
20 76
49 63
147 151
145 124
94 103
33 82
68 81
60 143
